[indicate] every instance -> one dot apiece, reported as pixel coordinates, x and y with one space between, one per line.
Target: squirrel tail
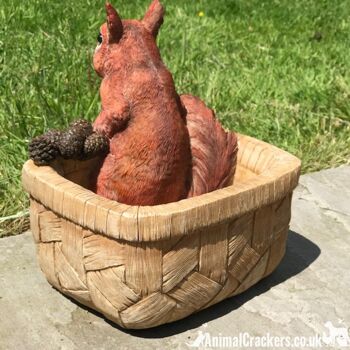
214 151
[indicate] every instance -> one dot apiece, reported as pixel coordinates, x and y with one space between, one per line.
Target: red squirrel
163 147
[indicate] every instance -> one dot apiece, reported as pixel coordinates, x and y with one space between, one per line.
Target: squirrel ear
153 18
114 24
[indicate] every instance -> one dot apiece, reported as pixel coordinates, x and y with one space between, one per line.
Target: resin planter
144 266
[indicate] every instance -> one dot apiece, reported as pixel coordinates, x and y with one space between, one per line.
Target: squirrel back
154 157
150 157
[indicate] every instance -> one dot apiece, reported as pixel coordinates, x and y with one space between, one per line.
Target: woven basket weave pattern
147 266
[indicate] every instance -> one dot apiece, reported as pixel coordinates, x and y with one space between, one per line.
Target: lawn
277 70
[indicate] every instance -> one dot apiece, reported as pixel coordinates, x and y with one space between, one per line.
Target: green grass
254 62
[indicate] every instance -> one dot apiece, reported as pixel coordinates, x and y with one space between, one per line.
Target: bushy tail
214 151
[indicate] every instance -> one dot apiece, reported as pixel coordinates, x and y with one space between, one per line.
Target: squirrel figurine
163 147
155 146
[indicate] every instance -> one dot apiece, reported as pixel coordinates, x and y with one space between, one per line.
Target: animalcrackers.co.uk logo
335 337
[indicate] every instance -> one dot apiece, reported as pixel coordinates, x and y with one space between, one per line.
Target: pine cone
96 144
71 144
43 149
83 125
54 135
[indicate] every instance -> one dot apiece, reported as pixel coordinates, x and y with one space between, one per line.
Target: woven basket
143 266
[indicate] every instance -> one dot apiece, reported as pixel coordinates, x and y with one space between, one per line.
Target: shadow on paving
300 253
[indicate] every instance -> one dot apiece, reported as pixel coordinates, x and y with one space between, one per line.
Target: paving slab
308 294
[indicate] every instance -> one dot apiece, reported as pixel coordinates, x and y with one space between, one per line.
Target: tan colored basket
145 266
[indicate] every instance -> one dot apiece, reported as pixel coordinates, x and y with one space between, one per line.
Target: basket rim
159 222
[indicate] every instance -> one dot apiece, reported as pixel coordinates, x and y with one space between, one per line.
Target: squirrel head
124 41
